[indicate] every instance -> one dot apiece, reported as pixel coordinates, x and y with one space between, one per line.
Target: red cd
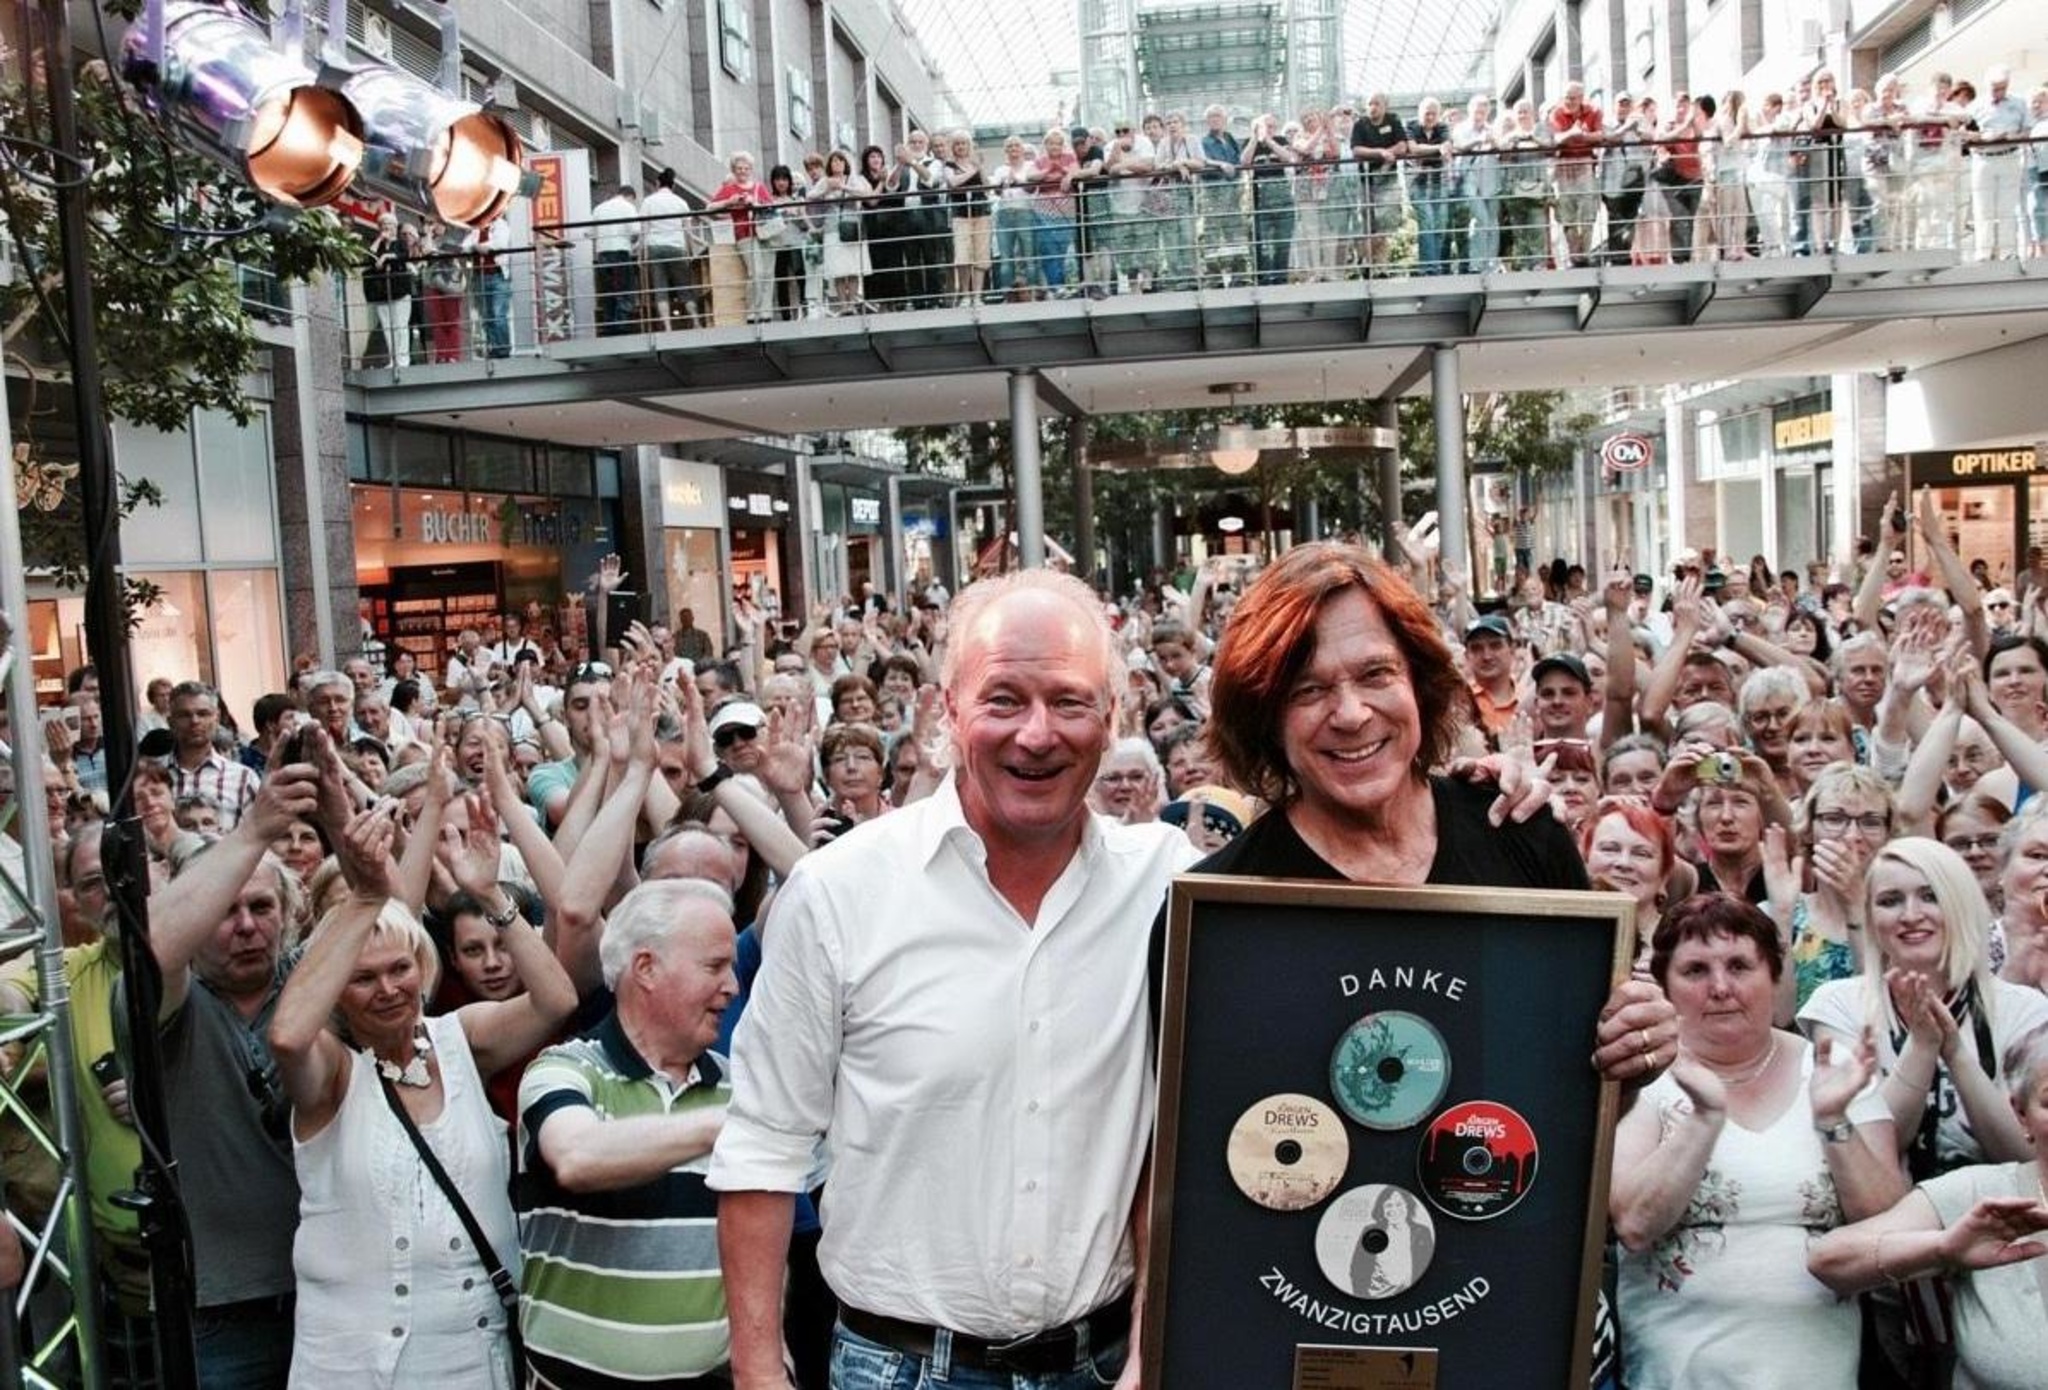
1477 1159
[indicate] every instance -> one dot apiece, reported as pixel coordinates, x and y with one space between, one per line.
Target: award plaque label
1364 1368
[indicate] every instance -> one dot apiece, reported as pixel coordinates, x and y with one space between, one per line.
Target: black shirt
1470 851
1383 134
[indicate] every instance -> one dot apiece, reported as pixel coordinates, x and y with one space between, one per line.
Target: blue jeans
245 1350
1016 227
494 307
859 1364
1054 240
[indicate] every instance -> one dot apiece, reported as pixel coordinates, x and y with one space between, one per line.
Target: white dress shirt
618 224
985 1083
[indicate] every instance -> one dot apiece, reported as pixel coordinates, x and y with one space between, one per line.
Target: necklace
1770 1056
415 1072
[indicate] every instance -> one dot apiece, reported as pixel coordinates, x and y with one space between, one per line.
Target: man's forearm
753 1248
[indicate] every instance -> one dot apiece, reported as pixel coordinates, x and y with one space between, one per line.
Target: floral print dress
1724 1299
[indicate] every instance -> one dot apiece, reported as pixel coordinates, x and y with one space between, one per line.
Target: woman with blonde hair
381 1242
1938 1016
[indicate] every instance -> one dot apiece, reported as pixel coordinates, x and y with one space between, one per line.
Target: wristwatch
1838 1133
500 920
718 774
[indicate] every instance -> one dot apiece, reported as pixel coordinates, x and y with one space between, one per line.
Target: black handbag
500 1277
849 229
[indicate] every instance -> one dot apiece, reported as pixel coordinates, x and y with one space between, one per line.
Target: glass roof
1019 61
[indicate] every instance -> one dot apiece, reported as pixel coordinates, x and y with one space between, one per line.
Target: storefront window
167 533
235 478
422 459
693 579
496 465
567 473
171 639
248 636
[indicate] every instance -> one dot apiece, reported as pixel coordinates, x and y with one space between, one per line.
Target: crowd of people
1170 200
768 1010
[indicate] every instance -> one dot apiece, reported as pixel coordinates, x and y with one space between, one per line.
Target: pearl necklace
1770 1056
415 1072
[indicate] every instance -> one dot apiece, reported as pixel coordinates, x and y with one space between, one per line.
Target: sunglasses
734 733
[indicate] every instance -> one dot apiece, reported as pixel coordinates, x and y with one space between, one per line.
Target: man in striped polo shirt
619 1234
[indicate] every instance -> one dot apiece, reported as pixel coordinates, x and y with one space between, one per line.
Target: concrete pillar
1449 394
1084 497
803 517
1025 471
895 579
315 525
1386 415
1677 479
1859 467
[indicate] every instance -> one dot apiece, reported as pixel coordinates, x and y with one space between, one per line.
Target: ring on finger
1643 1043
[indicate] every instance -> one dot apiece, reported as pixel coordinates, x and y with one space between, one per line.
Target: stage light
241 101
432 151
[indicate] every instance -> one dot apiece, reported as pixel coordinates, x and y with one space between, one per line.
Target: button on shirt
985 1083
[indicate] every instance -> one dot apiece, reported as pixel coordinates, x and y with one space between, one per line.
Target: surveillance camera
1895 375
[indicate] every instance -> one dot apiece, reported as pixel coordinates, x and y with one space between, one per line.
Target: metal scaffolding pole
156 1200
30 908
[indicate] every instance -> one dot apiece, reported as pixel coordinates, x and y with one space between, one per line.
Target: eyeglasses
734 733
1998 603
1835 822
1965 844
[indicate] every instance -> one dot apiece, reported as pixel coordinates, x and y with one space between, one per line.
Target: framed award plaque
1382 1152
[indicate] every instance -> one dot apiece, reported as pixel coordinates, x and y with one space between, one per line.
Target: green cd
1390 1070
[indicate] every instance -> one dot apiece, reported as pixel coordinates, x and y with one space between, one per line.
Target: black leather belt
1050 1352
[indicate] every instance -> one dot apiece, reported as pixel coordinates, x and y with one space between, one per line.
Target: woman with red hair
1628 848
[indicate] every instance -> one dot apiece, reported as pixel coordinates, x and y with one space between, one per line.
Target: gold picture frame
1515 978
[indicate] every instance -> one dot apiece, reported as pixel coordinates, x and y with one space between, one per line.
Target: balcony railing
1779 198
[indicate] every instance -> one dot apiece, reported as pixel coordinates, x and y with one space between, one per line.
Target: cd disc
1477 1160
1390 1069
1375 1241
1288 1152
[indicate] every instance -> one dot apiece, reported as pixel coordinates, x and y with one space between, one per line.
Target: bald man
954 996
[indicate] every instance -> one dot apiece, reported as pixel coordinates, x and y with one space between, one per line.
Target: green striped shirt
622 1287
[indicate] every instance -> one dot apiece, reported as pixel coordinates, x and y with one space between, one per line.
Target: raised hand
1924 1012
471 854
1994 1233
1707 1092
1618 592
787 765
363 850
1839 1076
288 794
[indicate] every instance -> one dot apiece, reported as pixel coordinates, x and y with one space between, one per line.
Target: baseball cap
744 712
1567 663
1643 584
1224 811
1492 625
1715 580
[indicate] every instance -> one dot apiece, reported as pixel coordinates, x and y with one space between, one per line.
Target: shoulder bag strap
501 1278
